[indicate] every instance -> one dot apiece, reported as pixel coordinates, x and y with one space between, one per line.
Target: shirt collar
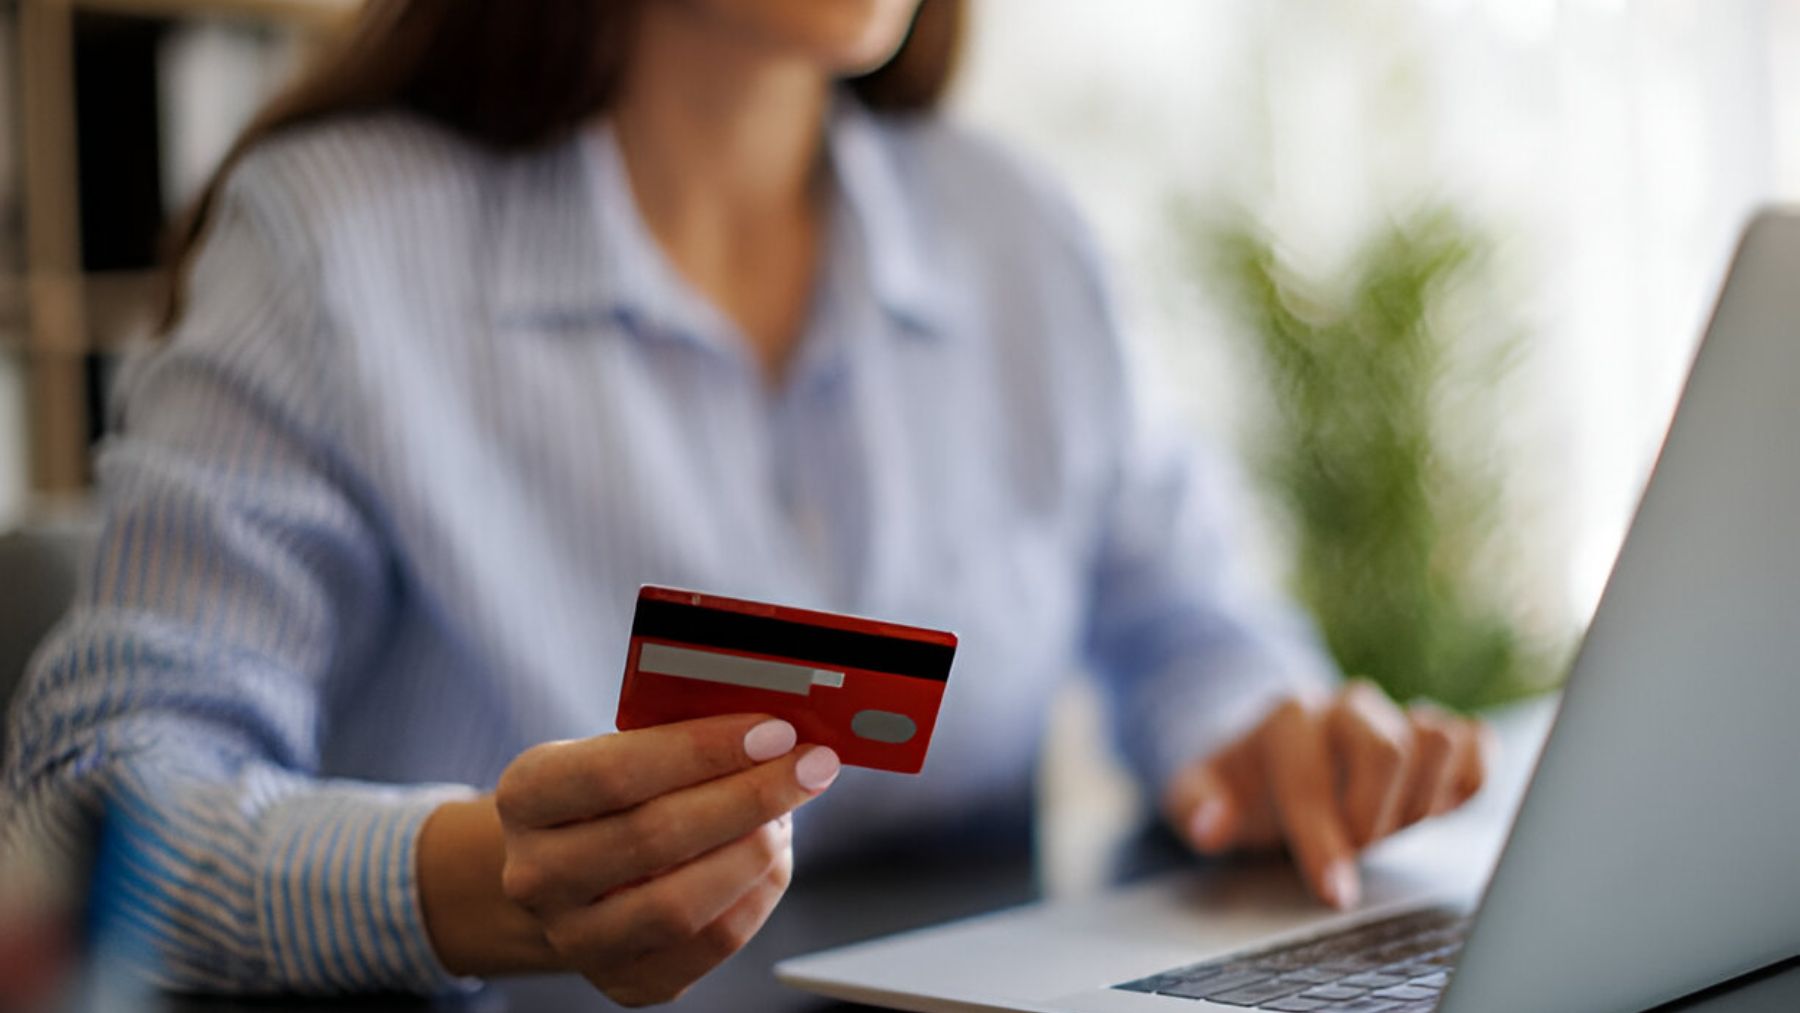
892 223
570 246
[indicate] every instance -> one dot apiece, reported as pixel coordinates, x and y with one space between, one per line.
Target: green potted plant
1377 447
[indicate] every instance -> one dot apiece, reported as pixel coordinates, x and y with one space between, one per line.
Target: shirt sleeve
239 579
1191 640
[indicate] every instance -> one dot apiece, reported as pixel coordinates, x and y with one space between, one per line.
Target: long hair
513 75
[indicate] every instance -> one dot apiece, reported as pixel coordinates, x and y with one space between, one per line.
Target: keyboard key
1404 950
1297 1004
1435 980
1213 985
1406 993
1337 993
1408 970
1266 970
1251 995
1195 972
1312 975
1363 1005
1373 981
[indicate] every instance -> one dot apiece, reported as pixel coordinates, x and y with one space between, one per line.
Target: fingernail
1209 822
770 739
1341 887
817 769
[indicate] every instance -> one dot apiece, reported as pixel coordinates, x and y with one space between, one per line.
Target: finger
1370 736
1468 764
1300 775
557 868
665 975
1462 747
671 909
1241 768
1202 808
559 782
1433 771
1235 785
1472 773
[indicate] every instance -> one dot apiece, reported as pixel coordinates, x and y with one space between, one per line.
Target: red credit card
868 689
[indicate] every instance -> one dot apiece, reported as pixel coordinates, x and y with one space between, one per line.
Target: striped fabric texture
377 510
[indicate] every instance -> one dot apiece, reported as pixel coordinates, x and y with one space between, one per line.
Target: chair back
40 567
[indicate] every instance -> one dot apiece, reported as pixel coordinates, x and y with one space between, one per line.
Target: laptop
1655 854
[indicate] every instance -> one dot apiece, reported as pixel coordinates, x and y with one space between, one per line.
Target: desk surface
828 909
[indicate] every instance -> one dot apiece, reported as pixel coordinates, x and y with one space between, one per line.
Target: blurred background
1432 268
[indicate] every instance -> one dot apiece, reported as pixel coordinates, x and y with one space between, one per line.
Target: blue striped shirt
376 512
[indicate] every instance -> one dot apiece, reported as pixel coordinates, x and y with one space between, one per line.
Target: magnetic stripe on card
701 626
730 669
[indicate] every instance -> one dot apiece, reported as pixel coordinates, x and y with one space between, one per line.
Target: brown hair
512 75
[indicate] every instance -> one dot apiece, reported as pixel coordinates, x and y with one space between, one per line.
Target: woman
517 305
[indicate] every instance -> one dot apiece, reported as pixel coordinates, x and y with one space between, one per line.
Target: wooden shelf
117 306
15 314
64 314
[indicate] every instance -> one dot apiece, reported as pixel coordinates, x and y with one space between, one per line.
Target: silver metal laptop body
1657 850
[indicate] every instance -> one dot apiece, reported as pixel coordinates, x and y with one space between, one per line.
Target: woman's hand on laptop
1328 778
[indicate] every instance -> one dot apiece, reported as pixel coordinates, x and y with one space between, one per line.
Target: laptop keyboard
1392 965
